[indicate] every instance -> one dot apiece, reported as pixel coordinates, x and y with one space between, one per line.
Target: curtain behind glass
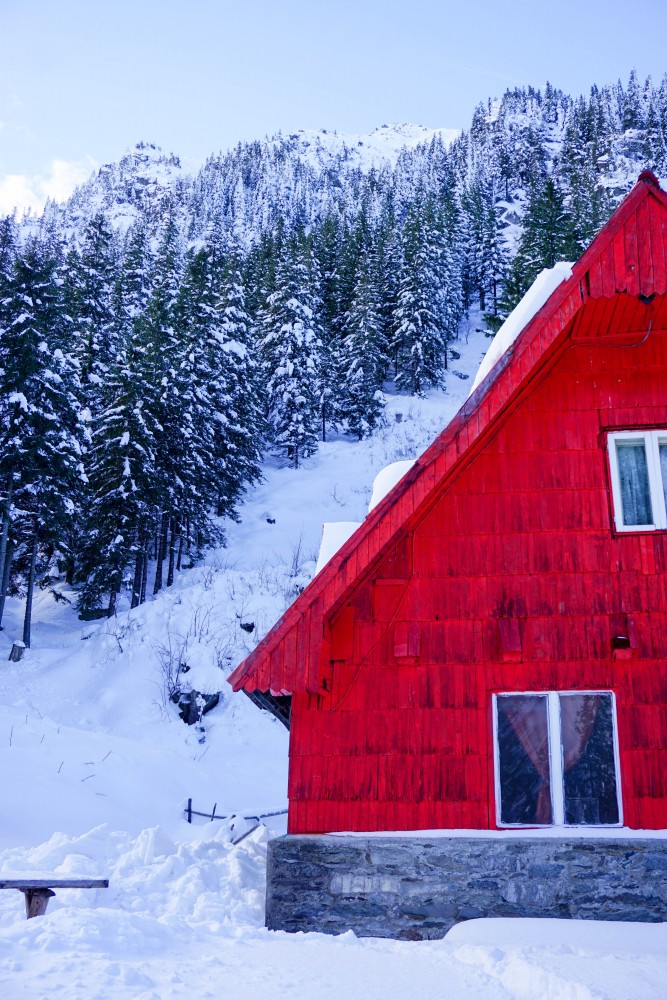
589 767
663 469
633 474
523 751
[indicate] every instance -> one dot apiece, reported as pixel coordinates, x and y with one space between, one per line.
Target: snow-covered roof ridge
541 289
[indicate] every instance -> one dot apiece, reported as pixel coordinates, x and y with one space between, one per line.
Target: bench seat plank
54 883
38 891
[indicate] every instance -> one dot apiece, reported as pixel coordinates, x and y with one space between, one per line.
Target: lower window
556 759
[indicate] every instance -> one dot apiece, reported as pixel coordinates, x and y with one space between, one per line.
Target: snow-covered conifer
291 348
40 454
361 398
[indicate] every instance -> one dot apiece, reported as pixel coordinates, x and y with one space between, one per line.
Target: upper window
638 461
556 759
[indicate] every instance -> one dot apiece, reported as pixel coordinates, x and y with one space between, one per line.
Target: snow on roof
386 479
544 285
334 535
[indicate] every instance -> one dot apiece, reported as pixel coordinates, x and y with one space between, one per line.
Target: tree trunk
180 552
4 583
324 421
27 621
70 570
4 541
144 578
113 595
136 583
172 551
5 524
161 552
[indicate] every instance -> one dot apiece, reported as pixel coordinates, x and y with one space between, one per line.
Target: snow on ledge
553 832
334 536
544 285
386 479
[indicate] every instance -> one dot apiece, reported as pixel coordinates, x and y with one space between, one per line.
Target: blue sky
80 80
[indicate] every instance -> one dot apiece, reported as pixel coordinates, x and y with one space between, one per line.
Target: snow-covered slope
145 181
250 186
323 149
98 768
85 719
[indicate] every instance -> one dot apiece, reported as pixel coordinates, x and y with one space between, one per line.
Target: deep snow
98 768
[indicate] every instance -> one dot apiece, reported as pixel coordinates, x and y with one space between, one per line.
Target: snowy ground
98 768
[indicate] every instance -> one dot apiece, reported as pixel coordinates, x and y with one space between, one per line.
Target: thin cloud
25 193
481 71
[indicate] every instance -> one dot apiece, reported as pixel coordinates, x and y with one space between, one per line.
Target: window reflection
635 491
523 740
589 772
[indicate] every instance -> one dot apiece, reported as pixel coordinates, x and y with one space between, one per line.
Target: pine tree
163 406
362 400
8 250
493 259
90 277
291 347
547 237
330 244
236 391
40 453
389 265
429 299
632 116
121 466
121 453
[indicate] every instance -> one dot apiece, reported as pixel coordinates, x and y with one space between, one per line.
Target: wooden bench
38 891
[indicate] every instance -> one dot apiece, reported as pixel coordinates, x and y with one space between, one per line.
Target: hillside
101 768
164 332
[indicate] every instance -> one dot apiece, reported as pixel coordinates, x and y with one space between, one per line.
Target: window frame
556 773
652 439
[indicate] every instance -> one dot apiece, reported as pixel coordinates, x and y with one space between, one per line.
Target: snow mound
334 536
386 479
544 285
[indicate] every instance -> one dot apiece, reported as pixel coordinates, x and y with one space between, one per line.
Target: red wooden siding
494 566
524 536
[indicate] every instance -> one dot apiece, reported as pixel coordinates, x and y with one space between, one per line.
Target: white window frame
556 770
651 441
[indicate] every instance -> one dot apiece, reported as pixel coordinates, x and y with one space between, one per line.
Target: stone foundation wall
412 888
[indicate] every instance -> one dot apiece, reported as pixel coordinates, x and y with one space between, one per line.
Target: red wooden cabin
489 649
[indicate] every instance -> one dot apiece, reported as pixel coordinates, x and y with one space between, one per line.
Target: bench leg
36 901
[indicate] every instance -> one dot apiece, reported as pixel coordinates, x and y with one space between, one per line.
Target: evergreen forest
161 333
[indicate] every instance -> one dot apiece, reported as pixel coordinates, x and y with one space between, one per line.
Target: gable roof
614 290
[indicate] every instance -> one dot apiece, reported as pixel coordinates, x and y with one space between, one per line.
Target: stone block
415 888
